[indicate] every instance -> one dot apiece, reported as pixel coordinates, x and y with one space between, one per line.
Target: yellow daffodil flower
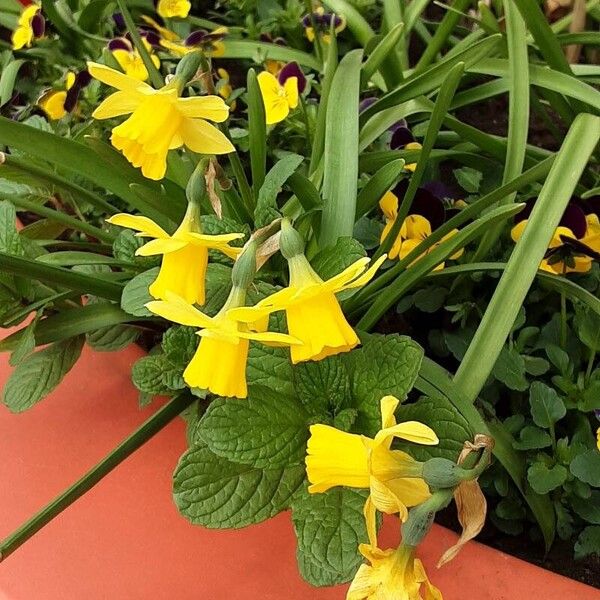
575 263
160 121
185 253
313 313
30 25
414 230
391 575
129 58
336 458
278 99
168 9
219 364
52 102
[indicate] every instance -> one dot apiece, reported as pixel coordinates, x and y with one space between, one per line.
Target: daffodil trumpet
161 120
313 313
394 479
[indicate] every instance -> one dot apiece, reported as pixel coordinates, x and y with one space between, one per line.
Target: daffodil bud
291 242
196 185
244 267
188 67
420 518
440 473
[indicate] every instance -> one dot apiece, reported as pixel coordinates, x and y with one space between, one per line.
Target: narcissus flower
337 458
185 253
391 575
129 58
57 103
219 364
575 243
168 9
278 98
427 213
160 121
320 22
313 313
31 25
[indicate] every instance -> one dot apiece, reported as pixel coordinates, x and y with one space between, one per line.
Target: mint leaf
329 528
544 479
265 430
384 365
270 367
334 259
179 345
323 386
439 414
38 374
218 286
136 294
155 375
25 346
588 543
211 491
586 467
125 246
546 406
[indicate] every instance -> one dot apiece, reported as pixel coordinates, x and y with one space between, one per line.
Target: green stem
563 321
590 365
153 72
139 437
306 126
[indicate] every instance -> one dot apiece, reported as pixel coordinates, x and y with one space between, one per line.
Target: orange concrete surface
125 540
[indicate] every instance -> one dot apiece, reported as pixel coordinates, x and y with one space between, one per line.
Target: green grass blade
250 50
355 22
382 181
257 131
341 152
523 264
382 51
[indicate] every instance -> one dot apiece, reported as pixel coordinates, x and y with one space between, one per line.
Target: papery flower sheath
219 364
129 58
391 575
173 8
31 25
313 313
337 458
185 253
160 121
427 213
278 98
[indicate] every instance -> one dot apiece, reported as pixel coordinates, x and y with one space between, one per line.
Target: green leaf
7 80
112 338
125 246
218 286
155 375
546 406
381 52
586 467
266 205
383 180
469 179
257 131
24 347
211 491
40 373
136 294
587 324
179 344
510 370
329 528
588 543
334 259
264 430
588 509
323 386
544 479
532 438
384 365
450 426
270 367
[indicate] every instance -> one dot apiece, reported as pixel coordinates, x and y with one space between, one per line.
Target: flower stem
590 365
563 320
149 428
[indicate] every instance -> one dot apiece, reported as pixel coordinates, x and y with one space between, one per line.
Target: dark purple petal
597 413
293 70
213 36
38 25
280 41
425 204
366 103
398 125
265 37
82 79
119 21
71 99
579 248
441 190
196 38
151 37
307 20
574 219
119 43
591 205
401 137
337 21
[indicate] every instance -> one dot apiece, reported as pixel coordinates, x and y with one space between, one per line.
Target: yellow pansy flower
337 458
160 121
219 364
52 102
185 253
414 230
320 22
30 25
278 99
224 88
598 438
168 9
129 58
391 575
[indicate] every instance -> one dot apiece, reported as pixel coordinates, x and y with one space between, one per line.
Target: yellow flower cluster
394 480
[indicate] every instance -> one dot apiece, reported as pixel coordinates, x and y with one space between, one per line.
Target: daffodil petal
176 309
117 104
210 240
412 431
147 227
388 405
211 108
115 79
202 137
160 246
367 275
270 338
341 280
